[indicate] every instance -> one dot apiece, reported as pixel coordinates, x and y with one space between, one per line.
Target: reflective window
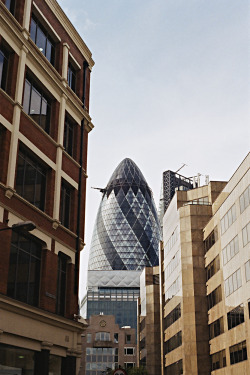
102 336
42 39
89 337
174 262
214 297
174 342
4 61
235 317
218 360
68 140
211 239
171 241
24 269
10 4
213 267
36 104
228 219
245 199
31 179
230 250
216 328
173 289
174 315
72 77
238 352
175 369
233 282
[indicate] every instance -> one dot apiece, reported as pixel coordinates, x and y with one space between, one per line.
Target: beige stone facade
204 279
106 345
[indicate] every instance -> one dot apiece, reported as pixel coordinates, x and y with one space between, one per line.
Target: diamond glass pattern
127 232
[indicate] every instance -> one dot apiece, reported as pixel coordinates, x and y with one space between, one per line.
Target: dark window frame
4 67
66 203
69 135
238 352
210 240
214 297
72 76
218 360
213 267
30 160
61 283
11 6
174 342
235 317
216 328
19 252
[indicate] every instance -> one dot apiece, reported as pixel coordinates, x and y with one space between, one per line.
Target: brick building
106 345
44 123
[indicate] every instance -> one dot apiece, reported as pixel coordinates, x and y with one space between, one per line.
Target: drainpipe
77 254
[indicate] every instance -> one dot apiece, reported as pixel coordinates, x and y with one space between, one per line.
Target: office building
105 346
125 240
204 269
44 124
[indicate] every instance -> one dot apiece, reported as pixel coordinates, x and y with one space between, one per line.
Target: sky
170 86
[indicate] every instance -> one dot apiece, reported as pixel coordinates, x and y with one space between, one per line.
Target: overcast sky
170 85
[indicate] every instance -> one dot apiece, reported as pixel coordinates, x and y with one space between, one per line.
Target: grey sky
170 86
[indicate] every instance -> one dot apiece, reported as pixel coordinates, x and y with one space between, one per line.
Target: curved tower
125 240
126 234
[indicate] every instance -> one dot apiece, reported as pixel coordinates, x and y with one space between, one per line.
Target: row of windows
245 199
102 351
216 328
102 336
172 264
174 369
174 342
233 282
214 297
173 289
213 267
228 219
230 250
31 183
174 315
172 240
238 353
218 360
25 271
211 239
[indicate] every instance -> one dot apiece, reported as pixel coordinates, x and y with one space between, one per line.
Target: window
116 338
235 317
211 239
129 364
10 4
233 282
230 250
247 270
216 328
245 199
170 243
89 337
214 297
42 39
68 141
171 266
65 206
228 219
213 267
175 369
218 360
129 351
238 352
246 234
102 336
128 339
24 269
15 360
4 62
61 283
31 179
174 342
72 77
55 364
174 315
37 104
173 289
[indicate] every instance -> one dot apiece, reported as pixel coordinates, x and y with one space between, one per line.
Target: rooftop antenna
183 165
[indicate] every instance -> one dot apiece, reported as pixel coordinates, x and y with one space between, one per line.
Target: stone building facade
44 124
107 346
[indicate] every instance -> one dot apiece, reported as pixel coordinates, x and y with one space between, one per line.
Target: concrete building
106 345
149 331
205 271
44 124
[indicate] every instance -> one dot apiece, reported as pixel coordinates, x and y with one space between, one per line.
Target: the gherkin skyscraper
125 240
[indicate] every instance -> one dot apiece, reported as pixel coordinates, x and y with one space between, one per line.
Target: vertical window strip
230 250
233 282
